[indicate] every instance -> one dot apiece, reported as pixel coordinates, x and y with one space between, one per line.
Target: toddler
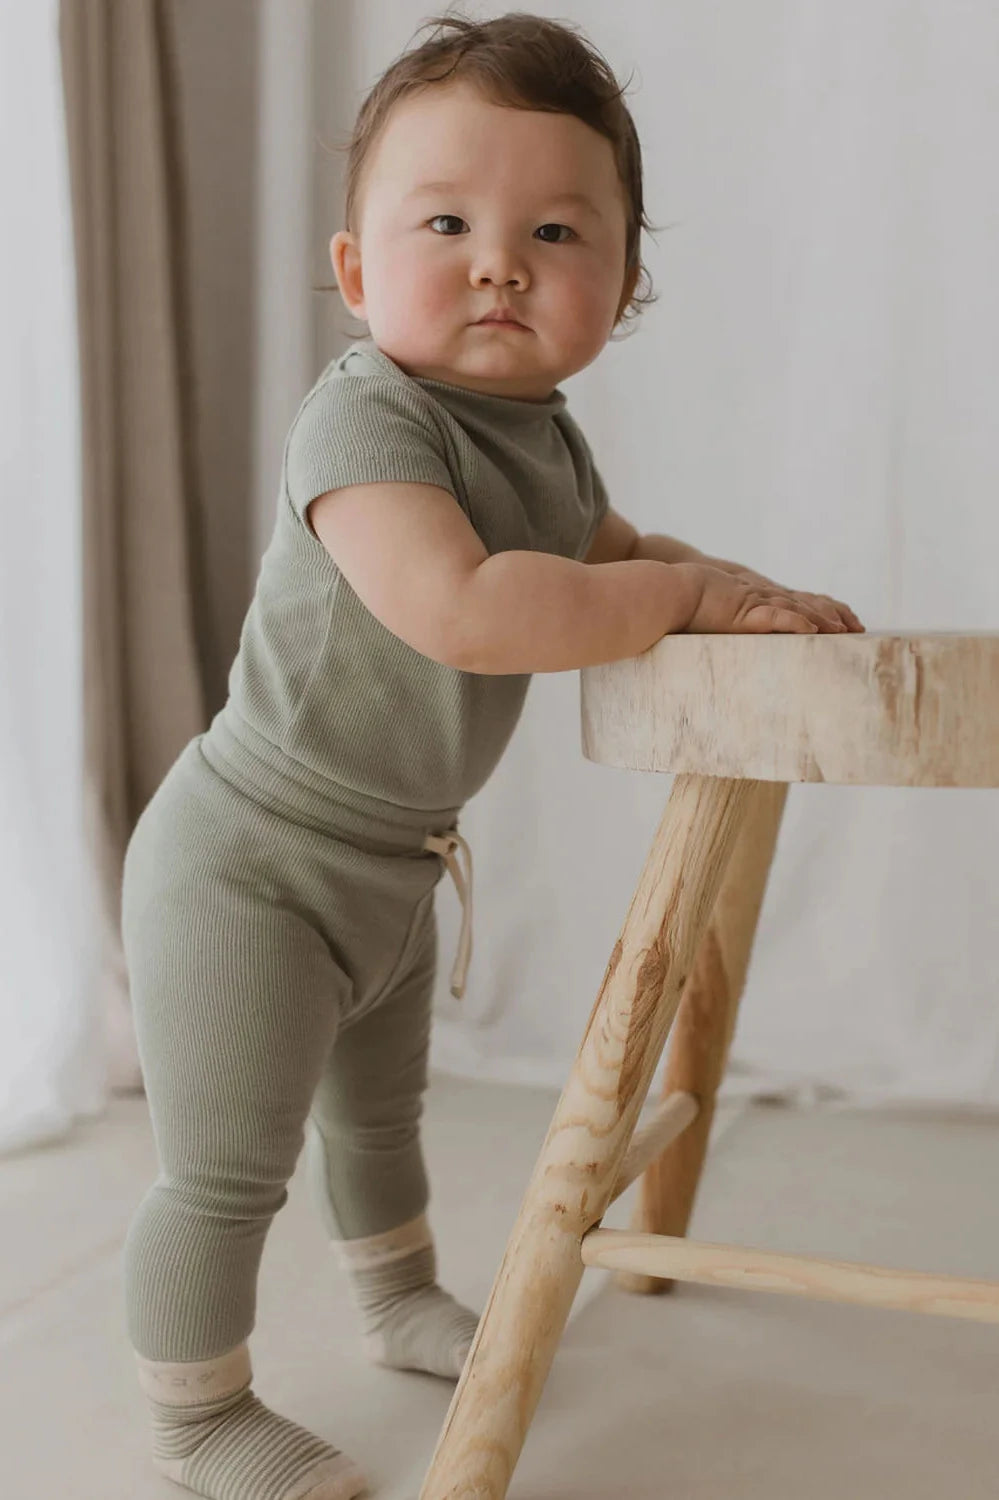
441 533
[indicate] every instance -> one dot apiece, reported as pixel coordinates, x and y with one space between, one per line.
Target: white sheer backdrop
52 1067
814 395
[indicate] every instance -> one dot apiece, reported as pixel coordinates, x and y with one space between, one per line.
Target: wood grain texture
875 709
752 1270
702 1034
581 1159
673 1116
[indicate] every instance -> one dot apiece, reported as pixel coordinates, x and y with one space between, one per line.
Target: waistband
248 761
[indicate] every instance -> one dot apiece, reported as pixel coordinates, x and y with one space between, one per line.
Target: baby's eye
453 217
570 232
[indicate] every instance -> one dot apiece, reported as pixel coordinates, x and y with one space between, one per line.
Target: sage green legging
281 973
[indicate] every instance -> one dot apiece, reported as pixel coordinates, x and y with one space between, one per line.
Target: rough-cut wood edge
752 1270
581 1159
870 709
702 1034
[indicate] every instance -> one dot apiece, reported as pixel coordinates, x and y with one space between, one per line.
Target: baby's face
428 262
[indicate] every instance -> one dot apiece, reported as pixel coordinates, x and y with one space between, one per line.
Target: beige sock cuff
192 1382
383 1249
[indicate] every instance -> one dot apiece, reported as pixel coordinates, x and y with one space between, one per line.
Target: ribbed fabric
253 945
213 1435
320 690
409 1322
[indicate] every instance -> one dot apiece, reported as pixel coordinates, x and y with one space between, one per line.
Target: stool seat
738 718
873 709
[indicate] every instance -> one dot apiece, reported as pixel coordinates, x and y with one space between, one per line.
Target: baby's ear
346 258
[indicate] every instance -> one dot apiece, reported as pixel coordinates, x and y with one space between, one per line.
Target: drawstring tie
445 845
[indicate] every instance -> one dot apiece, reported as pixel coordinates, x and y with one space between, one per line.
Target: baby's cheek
584 311
419 294
440 290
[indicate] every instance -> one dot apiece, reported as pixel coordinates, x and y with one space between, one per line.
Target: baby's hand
833 608
742 601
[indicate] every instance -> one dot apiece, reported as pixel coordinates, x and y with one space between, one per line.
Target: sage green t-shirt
320 691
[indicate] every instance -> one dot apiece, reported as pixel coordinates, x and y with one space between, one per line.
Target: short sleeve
361 429
599 502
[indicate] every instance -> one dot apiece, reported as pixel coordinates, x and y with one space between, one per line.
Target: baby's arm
413 558
616 540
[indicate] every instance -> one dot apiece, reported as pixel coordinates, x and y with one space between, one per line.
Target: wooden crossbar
671 1118
755 1270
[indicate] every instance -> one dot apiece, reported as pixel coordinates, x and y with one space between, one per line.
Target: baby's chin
505 362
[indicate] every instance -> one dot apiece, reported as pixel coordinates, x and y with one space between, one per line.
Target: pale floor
708 1394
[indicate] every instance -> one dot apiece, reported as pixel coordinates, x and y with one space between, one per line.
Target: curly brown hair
520 61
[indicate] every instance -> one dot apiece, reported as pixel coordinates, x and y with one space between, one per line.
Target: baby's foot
425 1330
410 1323
211 1434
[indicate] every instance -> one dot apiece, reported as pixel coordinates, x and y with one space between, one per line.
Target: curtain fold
52 1064
144 647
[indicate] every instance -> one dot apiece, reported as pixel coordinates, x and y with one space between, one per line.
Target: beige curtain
155 649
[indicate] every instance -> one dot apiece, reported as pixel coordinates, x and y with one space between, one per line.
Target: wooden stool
738 717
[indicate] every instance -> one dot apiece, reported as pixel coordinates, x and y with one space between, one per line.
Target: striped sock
211 1434
410 1323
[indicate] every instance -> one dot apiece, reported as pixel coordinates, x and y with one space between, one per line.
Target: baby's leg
236 998
366 1166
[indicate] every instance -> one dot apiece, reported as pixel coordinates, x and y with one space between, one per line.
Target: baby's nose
499 268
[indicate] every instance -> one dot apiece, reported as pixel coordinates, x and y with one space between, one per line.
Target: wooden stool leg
701 1038
576 1171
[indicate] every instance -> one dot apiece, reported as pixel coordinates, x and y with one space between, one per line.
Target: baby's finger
816 609
843 611
825 610
847 614
771 617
